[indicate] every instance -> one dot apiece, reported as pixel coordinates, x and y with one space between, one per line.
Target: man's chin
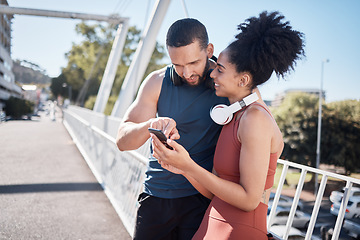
193 82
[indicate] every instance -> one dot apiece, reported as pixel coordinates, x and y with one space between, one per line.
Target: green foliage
87 60
340 136
16 107
347 110
297 118
110 105
90 103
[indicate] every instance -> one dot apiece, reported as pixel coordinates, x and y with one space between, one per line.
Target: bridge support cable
61 14
141 60
185 8
111 67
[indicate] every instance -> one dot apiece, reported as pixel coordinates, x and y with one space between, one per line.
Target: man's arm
133 130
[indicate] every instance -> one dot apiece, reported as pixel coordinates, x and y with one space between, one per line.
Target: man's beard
205 73
203 76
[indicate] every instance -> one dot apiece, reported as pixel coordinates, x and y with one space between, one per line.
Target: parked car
285 202
352 209
294 234
336 196
301 219
352 228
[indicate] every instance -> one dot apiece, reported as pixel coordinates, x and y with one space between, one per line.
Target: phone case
161 136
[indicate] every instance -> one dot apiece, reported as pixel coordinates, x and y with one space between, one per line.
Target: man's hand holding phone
176 160
167 125
160 135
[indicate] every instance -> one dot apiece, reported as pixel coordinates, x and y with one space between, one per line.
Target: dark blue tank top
190 107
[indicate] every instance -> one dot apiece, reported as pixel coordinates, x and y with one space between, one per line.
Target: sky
331 29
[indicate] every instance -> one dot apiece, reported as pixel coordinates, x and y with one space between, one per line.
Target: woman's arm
175 170
255 134
199 187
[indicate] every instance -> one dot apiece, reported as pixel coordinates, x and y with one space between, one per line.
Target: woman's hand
177 160
170 168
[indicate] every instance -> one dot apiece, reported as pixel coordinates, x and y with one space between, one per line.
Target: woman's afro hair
266 44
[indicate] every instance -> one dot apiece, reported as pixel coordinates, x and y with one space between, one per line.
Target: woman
248 146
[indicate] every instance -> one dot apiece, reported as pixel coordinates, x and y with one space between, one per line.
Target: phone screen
161 136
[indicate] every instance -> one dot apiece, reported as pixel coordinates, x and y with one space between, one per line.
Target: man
176 99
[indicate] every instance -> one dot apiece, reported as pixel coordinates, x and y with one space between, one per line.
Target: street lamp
319 124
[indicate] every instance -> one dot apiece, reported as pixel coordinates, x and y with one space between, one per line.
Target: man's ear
210 50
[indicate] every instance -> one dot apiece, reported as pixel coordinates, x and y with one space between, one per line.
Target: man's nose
187 72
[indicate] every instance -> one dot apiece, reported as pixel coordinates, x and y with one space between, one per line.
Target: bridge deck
47 191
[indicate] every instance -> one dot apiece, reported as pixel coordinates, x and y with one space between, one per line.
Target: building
279 98
8 87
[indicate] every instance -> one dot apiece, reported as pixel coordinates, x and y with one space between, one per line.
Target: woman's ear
244 80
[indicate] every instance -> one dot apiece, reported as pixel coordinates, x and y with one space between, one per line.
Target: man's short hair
186 31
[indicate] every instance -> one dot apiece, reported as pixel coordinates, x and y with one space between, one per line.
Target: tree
82 58
297 120
87 60
347 109
340 137
340 132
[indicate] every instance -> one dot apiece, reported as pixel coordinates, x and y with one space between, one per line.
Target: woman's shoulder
256 117
257 110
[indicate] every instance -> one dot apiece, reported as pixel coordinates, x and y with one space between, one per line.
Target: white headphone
222 114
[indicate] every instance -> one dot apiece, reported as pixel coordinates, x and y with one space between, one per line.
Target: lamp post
319 125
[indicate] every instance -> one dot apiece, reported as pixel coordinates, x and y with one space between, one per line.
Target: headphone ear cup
175 78
220 115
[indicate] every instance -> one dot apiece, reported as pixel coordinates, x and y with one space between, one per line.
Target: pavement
47 191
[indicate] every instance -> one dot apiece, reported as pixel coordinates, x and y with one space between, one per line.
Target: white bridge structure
121 173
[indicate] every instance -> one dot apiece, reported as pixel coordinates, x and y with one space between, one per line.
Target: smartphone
161 136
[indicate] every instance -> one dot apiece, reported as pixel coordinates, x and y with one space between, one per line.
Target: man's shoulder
156 77
158 74
154 80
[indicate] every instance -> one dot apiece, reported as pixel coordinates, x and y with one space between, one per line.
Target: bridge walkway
47 191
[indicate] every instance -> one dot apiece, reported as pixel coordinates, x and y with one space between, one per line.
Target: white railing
121 173
103 122
325 175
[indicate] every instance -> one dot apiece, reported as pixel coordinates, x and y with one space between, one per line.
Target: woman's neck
239 97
